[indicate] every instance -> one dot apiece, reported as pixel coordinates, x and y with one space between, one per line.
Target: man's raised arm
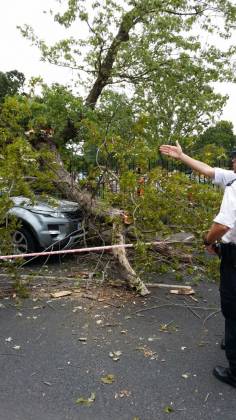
177 153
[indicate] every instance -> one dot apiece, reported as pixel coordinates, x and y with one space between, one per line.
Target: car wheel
23 241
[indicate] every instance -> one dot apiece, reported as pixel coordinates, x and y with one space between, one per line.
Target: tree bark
95 208
168 251
105 71
120 253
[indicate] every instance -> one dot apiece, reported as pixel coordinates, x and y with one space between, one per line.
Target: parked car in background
45 224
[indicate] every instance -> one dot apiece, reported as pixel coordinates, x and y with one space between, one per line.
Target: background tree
11 83
221 134
214 145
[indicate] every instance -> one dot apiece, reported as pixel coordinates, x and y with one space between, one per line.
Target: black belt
228 245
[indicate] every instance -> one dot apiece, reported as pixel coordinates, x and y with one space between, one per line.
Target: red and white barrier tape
74 251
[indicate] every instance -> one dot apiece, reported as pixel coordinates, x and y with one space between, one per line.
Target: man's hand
211 249
172 151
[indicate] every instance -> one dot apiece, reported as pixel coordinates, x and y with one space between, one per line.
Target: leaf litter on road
108 379
86 401
115 355
147 352
123 393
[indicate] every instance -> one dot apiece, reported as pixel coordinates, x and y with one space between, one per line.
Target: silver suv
46 224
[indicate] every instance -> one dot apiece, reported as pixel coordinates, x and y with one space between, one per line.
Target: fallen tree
147 45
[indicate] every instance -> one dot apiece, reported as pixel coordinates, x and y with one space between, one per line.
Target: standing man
223 229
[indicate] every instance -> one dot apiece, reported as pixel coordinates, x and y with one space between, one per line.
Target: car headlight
55 213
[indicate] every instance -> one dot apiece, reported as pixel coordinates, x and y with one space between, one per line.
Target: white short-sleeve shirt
227 213
223 177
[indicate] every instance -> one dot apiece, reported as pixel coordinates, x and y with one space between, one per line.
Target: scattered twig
207 396
118 324
193 298
47 383
87 296
169 286
172 304
209 316
38 338
12 354
51 306
168 323
112 304
191 310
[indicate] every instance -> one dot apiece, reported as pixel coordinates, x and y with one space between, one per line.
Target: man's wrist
207 243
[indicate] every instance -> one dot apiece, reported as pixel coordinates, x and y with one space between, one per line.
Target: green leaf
108 379
168 409
88 401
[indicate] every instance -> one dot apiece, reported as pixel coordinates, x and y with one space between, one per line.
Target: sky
16 53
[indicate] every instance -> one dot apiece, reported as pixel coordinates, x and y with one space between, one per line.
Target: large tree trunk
95 208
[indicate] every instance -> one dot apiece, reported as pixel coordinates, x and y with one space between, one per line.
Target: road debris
115 355
181 291
123 393
88 401
169 286
108 379
60 294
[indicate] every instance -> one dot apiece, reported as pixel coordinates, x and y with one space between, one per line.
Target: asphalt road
52 353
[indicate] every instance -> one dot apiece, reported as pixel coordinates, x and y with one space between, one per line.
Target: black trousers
228 300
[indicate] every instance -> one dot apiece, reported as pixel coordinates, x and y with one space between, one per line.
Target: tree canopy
11 83
162 55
